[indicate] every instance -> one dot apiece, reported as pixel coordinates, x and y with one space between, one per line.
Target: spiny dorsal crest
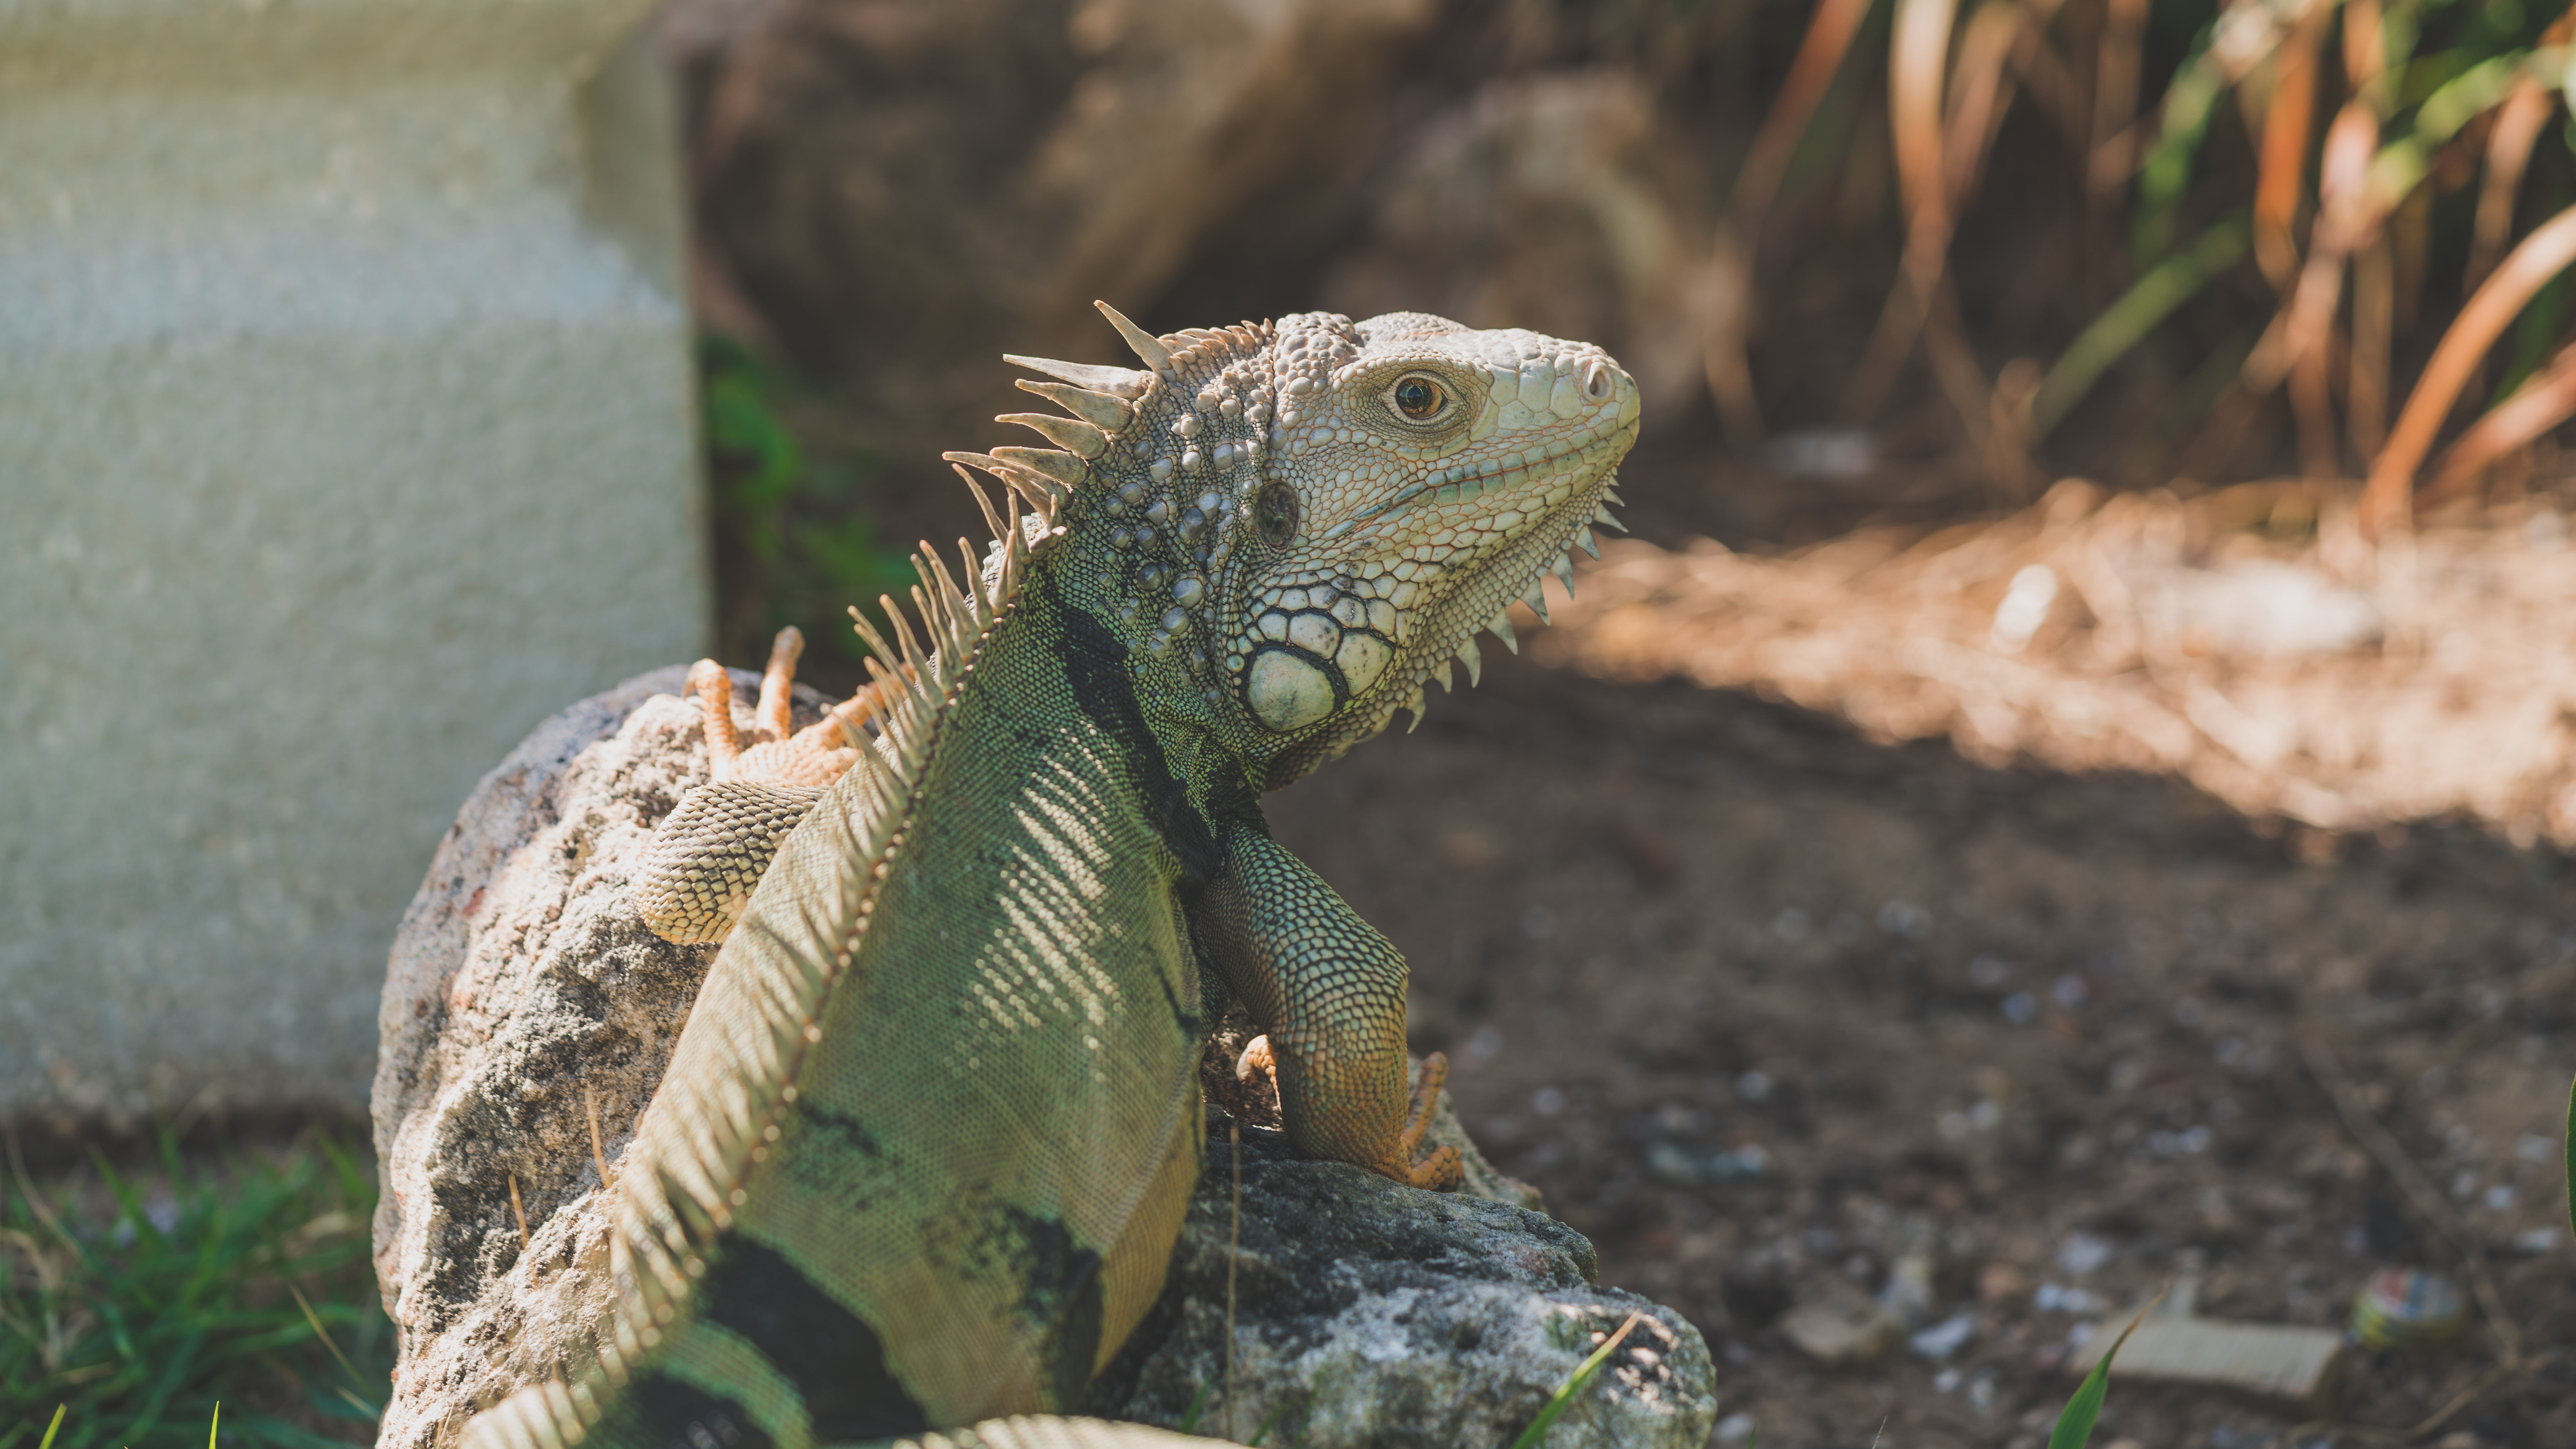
1175 451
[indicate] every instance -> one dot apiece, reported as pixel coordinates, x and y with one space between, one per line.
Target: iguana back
926 1141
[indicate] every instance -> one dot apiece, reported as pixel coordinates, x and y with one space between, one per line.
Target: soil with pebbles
1765 1008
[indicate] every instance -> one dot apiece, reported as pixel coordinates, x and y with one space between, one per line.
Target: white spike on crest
1071 434
1601 515
1443 678
1124 382
1563 568
956 621
1039 490
1536 598
935 662
1147 348
1101 410
984 603
1473 659
1012 544
1501 626
1064 468
1419 707
992 520
1583 541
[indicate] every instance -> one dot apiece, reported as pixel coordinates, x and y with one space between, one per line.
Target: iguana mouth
1464 485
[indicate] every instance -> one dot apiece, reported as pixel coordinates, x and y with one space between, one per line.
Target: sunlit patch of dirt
2213 639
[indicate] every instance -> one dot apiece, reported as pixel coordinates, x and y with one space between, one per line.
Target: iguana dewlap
925 1144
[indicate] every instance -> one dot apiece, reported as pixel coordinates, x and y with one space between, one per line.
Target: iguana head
1295 526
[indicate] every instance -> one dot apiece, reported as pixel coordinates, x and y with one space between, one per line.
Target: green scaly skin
924 1147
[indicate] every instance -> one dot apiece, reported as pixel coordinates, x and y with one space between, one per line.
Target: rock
525 998
523 992
1370 1313
1549 202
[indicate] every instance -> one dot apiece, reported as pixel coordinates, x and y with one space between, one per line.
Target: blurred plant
795 543
2435 117
248 1283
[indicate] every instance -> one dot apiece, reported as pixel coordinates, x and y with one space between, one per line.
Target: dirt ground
2068 1037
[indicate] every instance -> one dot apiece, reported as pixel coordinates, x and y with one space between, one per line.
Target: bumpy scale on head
1303 522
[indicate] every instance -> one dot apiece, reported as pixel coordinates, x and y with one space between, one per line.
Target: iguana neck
1190 785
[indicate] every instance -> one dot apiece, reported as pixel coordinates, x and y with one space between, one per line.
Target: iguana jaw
1513 564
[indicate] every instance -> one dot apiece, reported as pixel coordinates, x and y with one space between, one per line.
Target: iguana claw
1442 1170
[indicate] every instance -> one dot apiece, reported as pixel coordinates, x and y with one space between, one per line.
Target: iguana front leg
1330 992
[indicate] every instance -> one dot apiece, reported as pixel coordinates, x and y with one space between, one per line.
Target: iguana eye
1419 397
1274 513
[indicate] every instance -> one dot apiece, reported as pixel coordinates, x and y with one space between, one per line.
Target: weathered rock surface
1370 1313
523 993
526 1001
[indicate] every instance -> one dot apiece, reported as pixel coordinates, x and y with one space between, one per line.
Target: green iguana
925 1144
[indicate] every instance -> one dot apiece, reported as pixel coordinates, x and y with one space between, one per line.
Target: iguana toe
1440 1172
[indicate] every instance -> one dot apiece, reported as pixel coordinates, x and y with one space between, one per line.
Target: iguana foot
816 755
1442 1170
710 852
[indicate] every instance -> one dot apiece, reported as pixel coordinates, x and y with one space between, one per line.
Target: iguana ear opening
1274 513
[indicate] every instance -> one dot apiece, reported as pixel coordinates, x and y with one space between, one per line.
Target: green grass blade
1198 1404
2122 325
211 1423
2075 1422
54 1428
2568 1153
328 1342
1574 1382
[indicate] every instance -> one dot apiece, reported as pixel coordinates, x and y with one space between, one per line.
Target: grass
1536 1433
132 1303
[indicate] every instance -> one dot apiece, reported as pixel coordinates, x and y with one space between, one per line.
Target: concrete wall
345 433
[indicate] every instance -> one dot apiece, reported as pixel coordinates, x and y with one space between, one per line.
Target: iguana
925 1144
